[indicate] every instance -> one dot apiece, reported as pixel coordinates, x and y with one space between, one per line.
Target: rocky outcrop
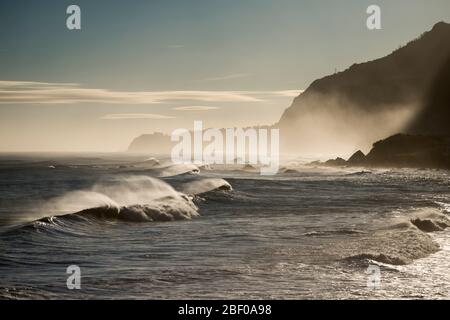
403 151
155 143
357 158
336 162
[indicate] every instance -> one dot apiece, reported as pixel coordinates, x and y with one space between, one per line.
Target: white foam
205 185
118 192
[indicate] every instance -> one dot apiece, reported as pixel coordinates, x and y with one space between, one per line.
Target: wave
151 161
426 220
359 173
177 169
166 209
443 205
205 185
402 242
365 259
135 198
164 171
289 171
333 232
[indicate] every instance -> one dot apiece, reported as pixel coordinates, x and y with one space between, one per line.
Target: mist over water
304 233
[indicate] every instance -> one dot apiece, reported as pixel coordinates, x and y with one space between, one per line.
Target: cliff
406 91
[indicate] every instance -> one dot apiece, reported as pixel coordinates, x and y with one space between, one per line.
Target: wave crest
126 198
402 242
205 185
167 209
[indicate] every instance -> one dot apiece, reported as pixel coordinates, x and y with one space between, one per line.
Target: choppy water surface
141 228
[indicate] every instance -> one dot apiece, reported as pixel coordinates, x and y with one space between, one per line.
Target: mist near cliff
333 126
403 92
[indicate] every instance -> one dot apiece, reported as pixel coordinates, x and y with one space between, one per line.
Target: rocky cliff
406 91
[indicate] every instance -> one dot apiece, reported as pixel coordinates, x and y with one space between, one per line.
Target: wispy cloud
229 77
289 93
195 108
61 93
29 92
126 116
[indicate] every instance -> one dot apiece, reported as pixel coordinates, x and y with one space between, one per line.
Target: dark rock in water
413 151
315 163
359 173
357 158
427 225
336 162
289 171
402 151
248 167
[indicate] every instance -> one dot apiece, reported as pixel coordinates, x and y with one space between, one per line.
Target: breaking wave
402 242
166 209
177 169
359 173
333 232
205 185
136 199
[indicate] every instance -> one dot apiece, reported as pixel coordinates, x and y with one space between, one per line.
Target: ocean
141 228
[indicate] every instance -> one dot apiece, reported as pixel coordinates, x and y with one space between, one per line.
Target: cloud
289 93
229 77
195 108
127 116
30 92
64 93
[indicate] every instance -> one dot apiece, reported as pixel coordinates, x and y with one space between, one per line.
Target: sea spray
205 185
405 240
137 198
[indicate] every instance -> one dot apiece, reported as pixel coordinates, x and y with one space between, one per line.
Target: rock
155 143
357 158
315 163
411 151
248 167
401 151
338 162
289 171
426 225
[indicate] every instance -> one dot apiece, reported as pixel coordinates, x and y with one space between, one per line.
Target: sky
138 67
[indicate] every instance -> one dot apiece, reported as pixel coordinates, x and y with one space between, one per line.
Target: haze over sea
139 227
